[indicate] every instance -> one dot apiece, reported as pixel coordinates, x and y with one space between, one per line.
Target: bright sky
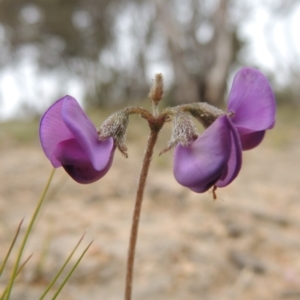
22 86
274 44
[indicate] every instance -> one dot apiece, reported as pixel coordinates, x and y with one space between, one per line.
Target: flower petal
252 139
77 164
85 133
200 165
252 101
234 163
53 130
66 120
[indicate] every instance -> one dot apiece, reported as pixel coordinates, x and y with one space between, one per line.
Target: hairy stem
137 209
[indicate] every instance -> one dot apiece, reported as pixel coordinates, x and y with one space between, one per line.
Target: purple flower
69 139
215 157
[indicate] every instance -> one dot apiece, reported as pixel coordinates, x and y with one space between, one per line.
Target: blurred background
105 53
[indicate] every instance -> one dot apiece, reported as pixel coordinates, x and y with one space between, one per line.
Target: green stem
11 247
18 272
16 266
61 269
71 272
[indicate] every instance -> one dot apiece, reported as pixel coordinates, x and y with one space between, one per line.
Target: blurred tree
202 46
61 30
289 65
112 44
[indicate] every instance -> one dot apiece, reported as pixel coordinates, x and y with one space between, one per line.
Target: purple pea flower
214 159
69 139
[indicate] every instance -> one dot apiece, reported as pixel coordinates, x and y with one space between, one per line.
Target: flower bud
157 89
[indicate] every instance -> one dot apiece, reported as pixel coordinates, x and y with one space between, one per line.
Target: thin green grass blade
11 247
71 272
23 264
19 271
61 269
16 266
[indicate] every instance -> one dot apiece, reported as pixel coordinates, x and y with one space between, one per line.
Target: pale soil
245 245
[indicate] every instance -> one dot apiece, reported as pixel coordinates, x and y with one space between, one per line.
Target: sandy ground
245 245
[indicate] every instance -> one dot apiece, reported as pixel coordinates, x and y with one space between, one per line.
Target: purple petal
53 130
200 165
77 164
251 140
85 134
65 120
234 163
252 101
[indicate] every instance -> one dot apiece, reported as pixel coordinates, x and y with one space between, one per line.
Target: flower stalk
137 211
